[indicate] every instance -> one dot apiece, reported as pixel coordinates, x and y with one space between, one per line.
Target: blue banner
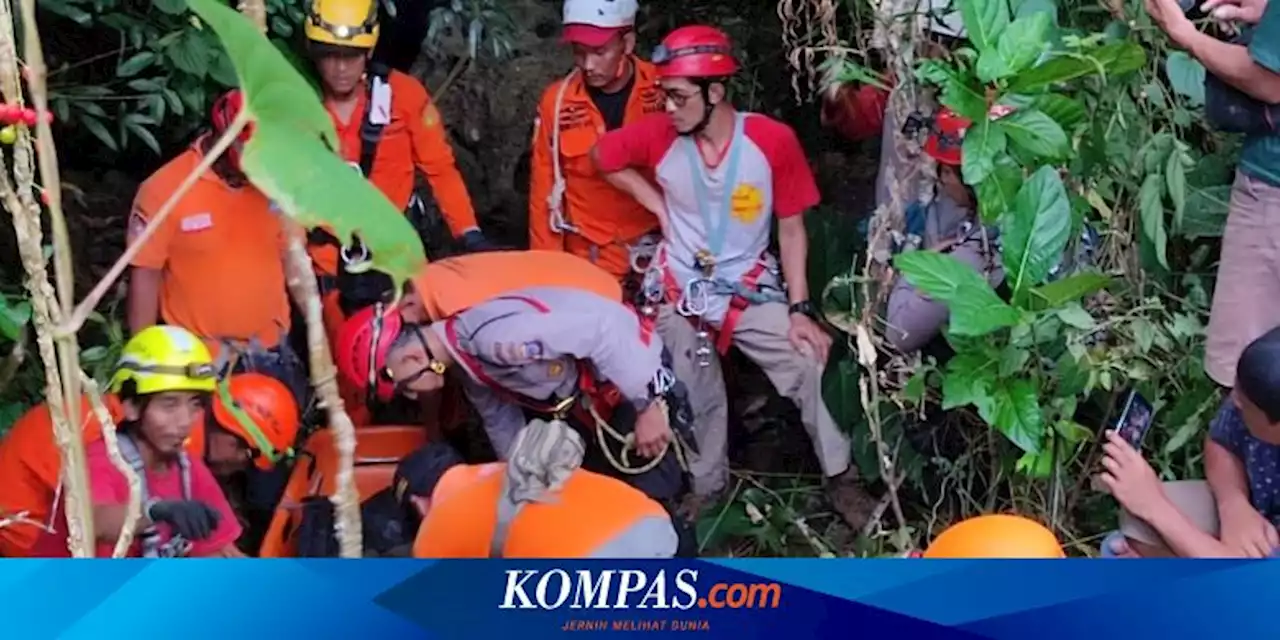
740 599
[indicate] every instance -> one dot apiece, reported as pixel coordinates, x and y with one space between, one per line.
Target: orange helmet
261 411
996 536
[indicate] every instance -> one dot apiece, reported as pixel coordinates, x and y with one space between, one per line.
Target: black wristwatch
804 307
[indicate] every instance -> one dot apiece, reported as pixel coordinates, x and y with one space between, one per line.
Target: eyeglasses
677 98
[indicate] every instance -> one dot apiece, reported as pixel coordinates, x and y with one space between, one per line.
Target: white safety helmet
594 22
943 18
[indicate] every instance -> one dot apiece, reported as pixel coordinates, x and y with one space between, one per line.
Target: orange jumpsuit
607 219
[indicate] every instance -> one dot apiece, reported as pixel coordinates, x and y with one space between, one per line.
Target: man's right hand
1246 530
1249 11
653 432
191 519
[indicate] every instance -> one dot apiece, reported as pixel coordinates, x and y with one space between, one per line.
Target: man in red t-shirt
722 176
163 380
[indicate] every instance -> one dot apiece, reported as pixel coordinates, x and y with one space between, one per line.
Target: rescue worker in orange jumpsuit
389 129
222 230
161 400
571 208
512 510
553 351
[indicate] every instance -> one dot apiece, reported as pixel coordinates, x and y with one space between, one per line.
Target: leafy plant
155 78
1018 362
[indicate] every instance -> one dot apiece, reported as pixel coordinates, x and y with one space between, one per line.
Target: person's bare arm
1231 63
1183 537
793 245
144 298
1226 476
109 519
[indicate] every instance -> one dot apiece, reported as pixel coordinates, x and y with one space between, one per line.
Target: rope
555 201
628 443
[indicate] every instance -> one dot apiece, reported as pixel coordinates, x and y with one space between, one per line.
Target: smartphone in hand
1135 420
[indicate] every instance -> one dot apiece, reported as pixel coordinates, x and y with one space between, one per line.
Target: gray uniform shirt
529 342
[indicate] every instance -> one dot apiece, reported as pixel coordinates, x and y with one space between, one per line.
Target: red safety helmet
696 51
225 110
262 412
364 341
949 127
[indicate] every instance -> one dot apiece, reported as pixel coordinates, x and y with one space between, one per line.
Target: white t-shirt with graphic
726 209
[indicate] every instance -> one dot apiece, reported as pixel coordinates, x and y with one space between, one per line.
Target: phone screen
1135 420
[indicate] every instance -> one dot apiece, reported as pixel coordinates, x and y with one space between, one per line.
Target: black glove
474 241
191 519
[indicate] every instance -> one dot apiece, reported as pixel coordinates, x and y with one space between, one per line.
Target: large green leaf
1069 113
983 144
962 96
291 157
997 193
1035 133
970 377
1036 231
1019 47
1186 76
1151 211
1015 412
975 308
190 53
984 21
1068 289
1206 214
1117 58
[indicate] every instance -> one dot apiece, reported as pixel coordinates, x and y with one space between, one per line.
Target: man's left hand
808 338
1169 16
1130 479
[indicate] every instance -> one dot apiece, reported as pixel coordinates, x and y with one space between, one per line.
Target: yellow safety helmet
345 23
165 358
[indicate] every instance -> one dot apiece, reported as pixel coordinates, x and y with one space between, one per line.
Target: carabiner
345 253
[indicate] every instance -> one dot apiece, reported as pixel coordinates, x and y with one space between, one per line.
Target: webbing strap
371 133
507 509
129 451
715 232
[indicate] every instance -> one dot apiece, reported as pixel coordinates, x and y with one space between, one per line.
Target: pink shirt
726 209
109 487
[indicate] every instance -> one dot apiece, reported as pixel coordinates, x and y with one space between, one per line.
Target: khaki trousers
1246 295
761 334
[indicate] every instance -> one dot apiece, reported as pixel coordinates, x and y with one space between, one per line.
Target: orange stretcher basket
379 450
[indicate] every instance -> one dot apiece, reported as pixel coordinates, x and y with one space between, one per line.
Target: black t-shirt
613 106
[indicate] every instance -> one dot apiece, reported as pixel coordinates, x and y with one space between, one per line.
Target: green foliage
291 153
152 79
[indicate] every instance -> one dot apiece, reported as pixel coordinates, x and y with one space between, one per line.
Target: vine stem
133 508
302 286
60 355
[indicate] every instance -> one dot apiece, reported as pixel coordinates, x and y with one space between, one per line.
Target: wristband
803 307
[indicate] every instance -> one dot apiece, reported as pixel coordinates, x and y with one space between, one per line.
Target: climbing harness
693 299
177 546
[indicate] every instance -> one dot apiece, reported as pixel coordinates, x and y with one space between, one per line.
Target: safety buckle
347 259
